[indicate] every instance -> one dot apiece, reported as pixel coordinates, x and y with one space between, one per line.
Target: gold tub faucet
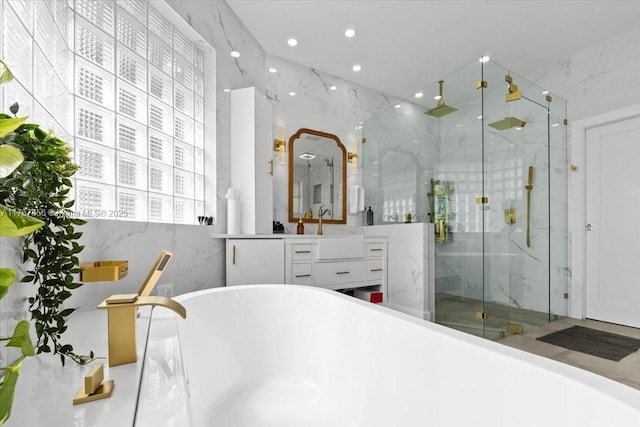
121 312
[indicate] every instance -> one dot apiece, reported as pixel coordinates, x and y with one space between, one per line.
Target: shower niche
488 167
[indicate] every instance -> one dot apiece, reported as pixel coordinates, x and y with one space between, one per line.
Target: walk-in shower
489 169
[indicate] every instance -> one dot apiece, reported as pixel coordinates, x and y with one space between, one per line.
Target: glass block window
142 84
123 84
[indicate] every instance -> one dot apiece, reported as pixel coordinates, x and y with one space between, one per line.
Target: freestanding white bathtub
284 355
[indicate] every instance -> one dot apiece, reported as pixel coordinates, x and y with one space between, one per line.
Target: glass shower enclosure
481 155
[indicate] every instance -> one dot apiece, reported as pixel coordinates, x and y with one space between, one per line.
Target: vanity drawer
375 270
301 252
374 250
334 273
301 274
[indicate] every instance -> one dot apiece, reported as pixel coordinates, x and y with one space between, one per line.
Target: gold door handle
441 237
303 252
233 255
376 269
342 272
376 250
303 275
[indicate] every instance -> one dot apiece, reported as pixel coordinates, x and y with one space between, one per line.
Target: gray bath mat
594 342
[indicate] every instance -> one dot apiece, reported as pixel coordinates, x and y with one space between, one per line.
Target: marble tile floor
626 371
459 313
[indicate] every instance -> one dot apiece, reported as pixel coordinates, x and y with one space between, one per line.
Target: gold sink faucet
122 323
321 212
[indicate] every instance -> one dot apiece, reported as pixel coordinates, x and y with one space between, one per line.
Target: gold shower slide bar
529 187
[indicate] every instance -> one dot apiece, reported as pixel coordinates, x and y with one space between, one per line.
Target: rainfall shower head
508 123
441 109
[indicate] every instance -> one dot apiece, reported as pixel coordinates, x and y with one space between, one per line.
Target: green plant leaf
14 224
5 76
8 125
7 278
22 339
8 388
10 159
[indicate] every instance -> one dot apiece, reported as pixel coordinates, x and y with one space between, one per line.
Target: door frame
577 203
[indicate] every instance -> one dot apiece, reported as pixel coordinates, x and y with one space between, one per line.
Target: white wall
598 79
595 81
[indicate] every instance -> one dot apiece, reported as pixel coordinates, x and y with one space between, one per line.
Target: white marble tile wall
600 78
409 267
399 158
317 106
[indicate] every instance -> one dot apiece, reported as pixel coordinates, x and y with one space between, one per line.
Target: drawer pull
233 261
342 272
302 275
376 269
303 252
376 250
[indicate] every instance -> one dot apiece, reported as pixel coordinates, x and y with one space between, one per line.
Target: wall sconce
279 145
352 157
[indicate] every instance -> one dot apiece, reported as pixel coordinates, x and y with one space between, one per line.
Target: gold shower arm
529 187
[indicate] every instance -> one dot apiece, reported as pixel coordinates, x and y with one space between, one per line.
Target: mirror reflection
317 177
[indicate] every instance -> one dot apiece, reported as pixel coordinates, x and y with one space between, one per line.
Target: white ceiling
406 45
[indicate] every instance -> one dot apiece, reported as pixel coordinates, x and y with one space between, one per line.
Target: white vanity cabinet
330 262
337 263
255 261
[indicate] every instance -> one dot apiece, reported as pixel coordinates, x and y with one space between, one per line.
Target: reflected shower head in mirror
441 109
508 123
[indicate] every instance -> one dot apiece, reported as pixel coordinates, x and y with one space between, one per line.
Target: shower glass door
460 157
516 205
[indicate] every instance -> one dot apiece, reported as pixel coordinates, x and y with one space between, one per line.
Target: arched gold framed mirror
317 177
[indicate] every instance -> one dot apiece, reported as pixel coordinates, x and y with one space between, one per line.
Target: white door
613 222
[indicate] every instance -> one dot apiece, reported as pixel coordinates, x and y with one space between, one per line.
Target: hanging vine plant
40 187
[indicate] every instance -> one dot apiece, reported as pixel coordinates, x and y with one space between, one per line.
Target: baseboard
426 315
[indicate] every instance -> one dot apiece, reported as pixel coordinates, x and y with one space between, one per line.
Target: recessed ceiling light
397 106
307 156
292 42
546 92
479 117
419 95
350 32
357 67
273 70
484 59
555 125
292 93
227 90
235 53
332 88
518 128
437 97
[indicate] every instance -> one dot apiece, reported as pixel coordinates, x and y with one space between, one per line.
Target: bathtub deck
278 403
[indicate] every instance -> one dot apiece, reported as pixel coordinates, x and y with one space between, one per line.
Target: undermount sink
341 247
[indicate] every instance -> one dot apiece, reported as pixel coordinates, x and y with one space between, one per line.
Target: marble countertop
45 389
294 236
